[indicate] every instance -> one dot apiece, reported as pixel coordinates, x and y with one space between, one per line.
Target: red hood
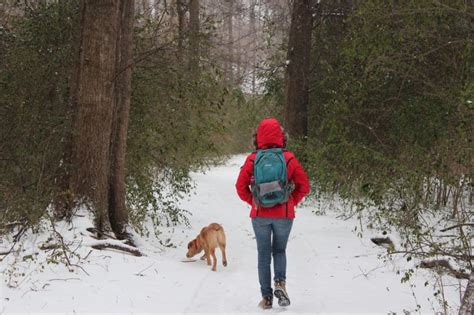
269 133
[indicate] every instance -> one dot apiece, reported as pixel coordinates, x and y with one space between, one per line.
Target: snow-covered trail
330 270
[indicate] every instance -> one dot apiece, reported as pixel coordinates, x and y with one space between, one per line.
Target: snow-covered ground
330 269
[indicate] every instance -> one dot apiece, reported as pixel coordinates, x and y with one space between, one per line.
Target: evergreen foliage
390 119
391 125
176 120
175 123
36 57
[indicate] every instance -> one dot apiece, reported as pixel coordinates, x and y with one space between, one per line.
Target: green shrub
35 55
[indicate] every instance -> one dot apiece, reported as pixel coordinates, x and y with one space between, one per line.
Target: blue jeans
272 236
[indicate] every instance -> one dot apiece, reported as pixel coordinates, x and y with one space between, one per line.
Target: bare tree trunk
3 12
180 10
253 30
467 303
117 209
146 7
194 37
229 63
297 71
238 56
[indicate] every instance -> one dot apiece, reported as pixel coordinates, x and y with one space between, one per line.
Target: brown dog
208 239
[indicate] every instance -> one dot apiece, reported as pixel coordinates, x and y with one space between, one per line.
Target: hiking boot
266 302
280 293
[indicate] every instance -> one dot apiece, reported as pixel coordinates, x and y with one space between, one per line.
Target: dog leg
208 257
203 257
214 259
224 258
222 243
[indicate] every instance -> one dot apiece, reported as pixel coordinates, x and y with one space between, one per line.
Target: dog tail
215 226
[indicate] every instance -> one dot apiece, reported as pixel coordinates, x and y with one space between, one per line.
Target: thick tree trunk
100 119
95 103
297 71
117 210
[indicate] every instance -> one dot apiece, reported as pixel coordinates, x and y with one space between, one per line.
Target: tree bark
297 70
95 102
467 302
124 55
100 119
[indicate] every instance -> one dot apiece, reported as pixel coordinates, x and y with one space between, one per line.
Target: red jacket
270 134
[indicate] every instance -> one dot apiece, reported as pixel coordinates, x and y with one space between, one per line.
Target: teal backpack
270 183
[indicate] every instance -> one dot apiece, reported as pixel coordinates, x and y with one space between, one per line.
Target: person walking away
272 182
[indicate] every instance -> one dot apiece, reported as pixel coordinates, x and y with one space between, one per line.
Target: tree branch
117 246
457 226
443 264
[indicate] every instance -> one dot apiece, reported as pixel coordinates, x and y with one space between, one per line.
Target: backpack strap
290 155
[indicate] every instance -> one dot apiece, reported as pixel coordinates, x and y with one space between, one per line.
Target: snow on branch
117 245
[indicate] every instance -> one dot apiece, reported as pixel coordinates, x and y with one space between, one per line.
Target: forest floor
330 268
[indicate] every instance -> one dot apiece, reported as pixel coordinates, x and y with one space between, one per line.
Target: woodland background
111 104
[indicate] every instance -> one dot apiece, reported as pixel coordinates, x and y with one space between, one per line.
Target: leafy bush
391 132
35 55
176 120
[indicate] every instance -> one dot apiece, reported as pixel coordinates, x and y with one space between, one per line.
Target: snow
330 269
